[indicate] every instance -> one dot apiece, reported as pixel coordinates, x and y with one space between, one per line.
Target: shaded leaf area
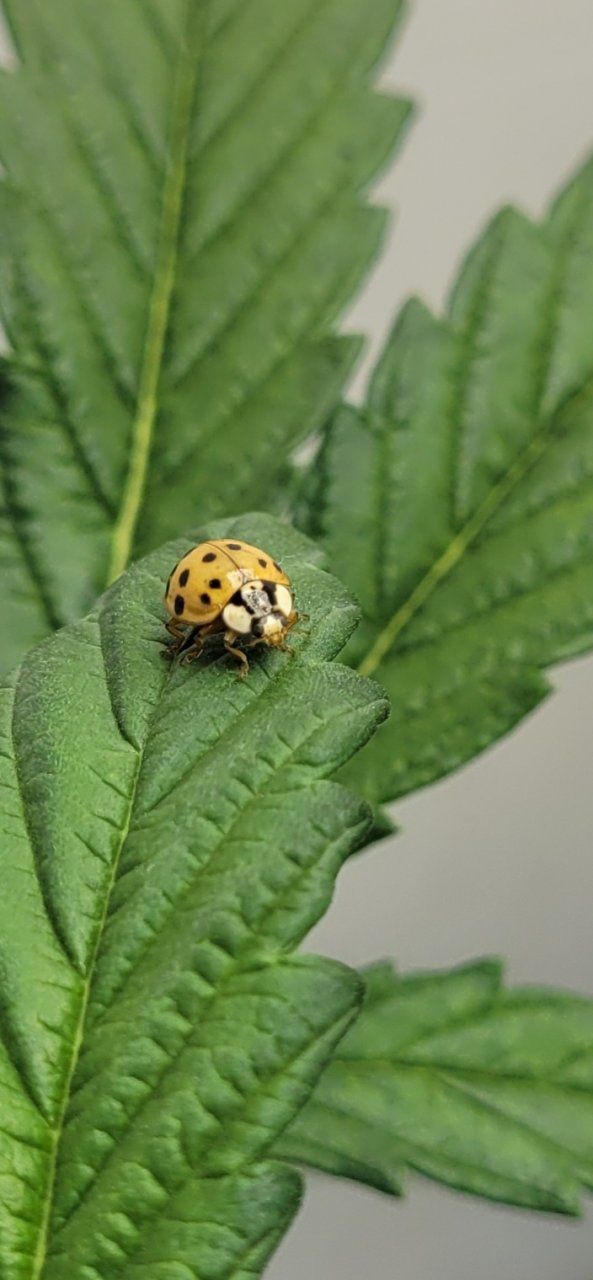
458 503
485 1089
184 218
168 836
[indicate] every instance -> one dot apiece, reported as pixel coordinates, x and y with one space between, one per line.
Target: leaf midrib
408 1145
454 551
42 1243
160 301
41 1252
40 1255
247 1159
451 1080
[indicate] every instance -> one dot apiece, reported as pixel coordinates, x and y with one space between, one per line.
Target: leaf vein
249 197
132 1117
60 398
18 524
454 552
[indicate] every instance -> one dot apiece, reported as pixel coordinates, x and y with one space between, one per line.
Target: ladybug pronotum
230 587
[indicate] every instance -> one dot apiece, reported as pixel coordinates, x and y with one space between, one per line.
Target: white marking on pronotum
236 577
238 618
283 601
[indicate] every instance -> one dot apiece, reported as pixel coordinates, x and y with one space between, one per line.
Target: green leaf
485 1089
184 218
458 502
169 836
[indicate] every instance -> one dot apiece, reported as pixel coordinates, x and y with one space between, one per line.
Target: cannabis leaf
168 837
183 220
486 1089
458 502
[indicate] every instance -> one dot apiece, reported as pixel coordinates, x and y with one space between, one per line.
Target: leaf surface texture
184 218
168 836
458 501
486 1089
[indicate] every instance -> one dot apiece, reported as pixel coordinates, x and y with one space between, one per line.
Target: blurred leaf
183 220
487 1090
168 838
459 501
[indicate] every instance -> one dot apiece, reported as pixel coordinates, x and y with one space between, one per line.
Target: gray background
498 858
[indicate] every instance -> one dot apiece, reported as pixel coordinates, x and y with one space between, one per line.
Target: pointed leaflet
182 223
459 501
168 836
488 1090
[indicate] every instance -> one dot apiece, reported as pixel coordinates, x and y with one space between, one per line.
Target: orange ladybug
231 587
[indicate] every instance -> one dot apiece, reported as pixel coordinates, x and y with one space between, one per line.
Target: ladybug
231 587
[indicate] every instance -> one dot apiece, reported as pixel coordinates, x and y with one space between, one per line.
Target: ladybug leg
194 648
272 644
229 637
171 650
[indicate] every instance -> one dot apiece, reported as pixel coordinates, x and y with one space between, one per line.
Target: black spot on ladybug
205 598
183 577
234 546
210 555
263 563
179 604
270 590
215 584
278 566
